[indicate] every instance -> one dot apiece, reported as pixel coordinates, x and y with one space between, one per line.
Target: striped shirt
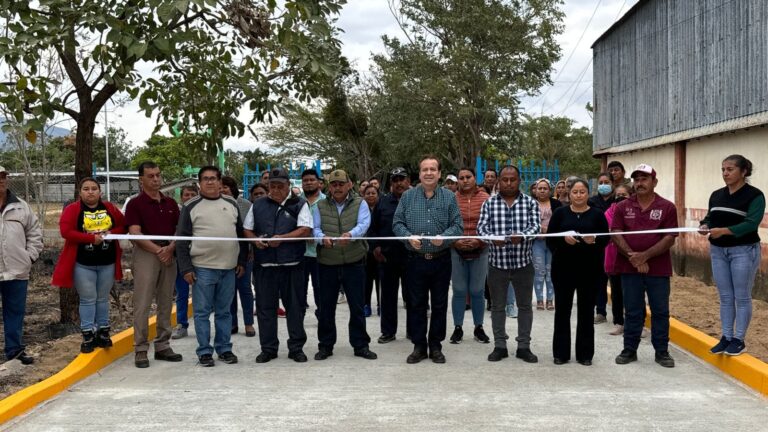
499 219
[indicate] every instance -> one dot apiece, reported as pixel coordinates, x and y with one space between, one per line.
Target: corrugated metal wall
675 65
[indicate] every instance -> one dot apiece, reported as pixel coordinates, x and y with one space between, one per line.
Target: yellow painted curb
82 366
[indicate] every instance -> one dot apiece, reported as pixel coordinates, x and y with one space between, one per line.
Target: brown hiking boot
168 355
141 360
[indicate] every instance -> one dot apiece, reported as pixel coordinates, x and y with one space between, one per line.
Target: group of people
556 240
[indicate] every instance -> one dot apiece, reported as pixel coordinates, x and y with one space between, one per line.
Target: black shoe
168 355
102 338
497 354
437 356
585 362
480 335
559 361
663 358
24 358
298 356
721 346
235 329
526 355
89 342
140 360
323 354
228 357
386 338
206 360
627 356
366 354
416 356
457 335
467 307
265 357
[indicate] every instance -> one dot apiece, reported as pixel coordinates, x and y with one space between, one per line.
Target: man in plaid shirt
515 216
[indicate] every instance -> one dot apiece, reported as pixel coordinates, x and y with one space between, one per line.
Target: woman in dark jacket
576 259
89 262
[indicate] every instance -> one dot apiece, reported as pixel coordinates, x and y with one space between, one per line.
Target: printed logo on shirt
656 214
96 221
630 213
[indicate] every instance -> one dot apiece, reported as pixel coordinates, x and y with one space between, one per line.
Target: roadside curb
83 366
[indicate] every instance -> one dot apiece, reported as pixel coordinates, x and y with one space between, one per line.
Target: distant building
681 85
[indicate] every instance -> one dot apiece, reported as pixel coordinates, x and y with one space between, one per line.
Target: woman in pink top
621 193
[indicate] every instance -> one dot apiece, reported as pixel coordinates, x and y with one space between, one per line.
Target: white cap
2 170
452 178
644 169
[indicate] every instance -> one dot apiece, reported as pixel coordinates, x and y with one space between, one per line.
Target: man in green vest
338 219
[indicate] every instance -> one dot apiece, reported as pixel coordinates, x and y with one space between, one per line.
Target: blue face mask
604 189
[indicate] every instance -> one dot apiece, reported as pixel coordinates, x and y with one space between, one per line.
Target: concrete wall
662 159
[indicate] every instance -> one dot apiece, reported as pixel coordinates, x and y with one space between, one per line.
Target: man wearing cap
451 183
428 210
21 241
390 254
645 264
154 264
342 264
278 270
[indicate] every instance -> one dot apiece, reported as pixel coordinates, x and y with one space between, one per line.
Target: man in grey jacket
21 241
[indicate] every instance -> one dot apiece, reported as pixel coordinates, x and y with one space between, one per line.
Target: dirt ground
692 302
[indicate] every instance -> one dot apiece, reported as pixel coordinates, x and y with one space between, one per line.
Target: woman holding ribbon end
88 262
732 221
577 259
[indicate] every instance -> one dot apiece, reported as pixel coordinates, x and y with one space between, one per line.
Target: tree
172 154
211 58
453 86
550 138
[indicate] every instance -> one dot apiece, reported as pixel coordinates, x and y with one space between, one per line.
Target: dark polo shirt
153 216
629 216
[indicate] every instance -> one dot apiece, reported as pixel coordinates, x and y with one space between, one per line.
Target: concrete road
349 393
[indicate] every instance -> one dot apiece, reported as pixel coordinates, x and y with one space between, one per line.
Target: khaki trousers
152 280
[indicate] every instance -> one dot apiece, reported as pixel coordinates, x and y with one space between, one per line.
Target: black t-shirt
91 221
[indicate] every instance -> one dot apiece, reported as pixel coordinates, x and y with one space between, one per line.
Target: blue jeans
182 301
734 269
212 292
93 284
14 296
243 287
542 266
635 286
510 295
468 276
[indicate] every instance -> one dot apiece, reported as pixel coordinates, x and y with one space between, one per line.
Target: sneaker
511 311
280 312
627 356
663 358
736 347
600 318
618 330
457 335
386 338
497 354
480 335
102 338
367 311
89 342
179 332
342 298
721 346
206 360
645 333
24 358
228 357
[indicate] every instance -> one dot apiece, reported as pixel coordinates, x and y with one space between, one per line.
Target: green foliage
212 58
172 154
549 138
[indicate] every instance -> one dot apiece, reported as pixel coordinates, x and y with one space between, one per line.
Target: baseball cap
3 171
398 172
451 177
644 169
279 174
338 176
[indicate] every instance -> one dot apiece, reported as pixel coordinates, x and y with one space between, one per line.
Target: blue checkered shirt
418 215
499 219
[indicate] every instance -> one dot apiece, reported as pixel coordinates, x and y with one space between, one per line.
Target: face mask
604 189
620 199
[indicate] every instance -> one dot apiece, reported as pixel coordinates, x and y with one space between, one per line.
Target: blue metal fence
529 172
251 177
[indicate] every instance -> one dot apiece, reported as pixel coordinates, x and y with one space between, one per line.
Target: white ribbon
419 237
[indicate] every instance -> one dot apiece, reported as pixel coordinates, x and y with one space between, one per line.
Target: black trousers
565 286
284 283
372 279
392 275
351 278
617 300
428 281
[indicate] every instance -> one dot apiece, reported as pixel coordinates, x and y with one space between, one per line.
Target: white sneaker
618 329
645 333
342 298
511 311
179 332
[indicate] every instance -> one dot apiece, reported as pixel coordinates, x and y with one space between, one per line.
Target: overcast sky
364 21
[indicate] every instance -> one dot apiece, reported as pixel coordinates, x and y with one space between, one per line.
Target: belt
428 256
161 243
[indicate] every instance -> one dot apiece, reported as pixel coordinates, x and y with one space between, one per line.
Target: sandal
550 306
539 305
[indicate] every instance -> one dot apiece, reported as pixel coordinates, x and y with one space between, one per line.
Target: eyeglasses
209 179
